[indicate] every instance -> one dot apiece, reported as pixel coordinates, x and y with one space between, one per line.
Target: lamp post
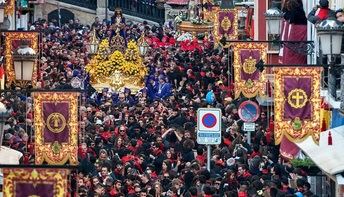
330 33
143 45
24 59
92 46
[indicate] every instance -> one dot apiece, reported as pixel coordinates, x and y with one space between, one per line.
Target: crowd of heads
144 144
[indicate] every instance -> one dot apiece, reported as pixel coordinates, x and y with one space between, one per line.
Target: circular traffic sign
209 120
248 111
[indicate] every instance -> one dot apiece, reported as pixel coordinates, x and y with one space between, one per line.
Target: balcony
90 4
145 9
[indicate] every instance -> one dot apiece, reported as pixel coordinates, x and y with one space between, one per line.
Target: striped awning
178 2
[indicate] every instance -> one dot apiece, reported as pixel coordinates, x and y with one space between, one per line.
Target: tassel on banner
323 126
329 138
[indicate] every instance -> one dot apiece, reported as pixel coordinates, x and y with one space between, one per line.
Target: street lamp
92 46
330 33
143 45
273 20
24 59
3 117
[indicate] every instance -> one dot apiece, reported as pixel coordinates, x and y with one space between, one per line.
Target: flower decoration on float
107 66
133 63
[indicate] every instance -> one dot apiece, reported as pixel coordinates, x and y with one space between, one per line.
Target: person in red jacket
321 12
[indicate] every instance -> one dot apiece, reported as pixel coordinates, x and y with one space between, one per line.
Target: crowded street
123 107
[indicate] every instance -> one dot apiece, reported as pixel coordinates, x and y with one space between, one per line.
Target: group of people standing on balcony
294 26
322 12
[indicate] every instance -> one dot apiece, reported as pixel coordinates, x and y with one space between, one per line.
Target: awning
177 2
329 158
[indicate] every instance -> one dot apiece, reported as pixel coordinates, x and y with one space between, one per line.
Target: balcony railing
90 4
146 9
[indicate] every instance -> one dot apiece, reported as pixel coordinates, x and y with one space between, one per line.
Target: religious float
193 21
116 65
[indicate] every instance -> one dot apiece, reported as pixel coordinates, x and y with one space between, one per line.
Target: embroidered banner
249 81
297 103
12 42
227 24
56 127
33 182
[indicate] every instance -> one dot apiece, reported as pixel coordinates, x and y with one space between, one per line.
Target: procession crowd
144 144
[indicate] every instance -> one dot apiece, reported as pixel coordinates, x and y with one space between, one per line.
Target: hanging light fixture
330 32
143 45
92 46
273 18
24 59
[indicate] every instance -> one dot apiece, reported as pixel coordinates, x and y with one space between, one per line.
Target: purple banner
226 22
56 118
34 189
297 92
248 60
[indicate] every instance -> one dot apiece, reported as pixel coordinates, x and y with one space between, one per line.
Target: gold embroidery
249 65
52 153
297 98
55 177
226 23
56 122
249 88
296 129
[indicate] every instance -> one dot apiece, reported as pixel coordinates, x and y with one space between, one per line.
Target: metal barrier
146 9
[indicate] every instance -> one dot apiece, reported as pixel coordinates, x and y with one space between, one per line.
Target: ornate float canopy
117 66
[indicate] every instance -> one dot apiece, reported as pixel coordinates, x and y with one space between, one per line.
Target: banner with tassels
248 80
56 127
297 103
227 24
23 182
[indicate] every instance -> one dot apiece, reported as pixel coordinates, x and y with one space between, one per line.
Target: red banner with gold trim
30 182
297 103
56 127
12 42
248 80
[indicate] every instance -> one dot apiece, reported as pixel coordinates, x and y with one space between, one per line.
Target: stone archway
66 15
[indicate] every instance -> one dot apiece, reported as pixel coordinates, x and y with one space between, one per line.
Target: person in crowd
321 12
340 15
